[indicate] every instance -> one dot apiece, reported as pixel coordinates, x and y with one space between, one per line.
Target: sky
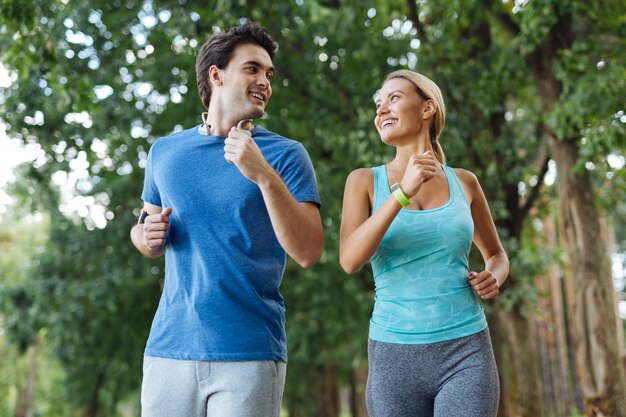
12 154
12 151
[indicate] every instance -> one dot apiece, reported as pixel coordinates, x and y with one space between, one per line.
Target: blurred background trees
535 93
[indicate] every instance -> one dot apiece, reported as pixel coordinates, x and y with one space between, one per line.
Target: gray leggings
452 378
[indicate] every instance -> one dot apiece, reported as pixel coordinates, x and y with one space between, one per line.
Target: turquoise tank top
420 271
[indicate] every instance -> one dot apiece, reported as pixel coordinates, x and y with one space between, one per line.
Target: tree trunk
593 319
568 288
357 392
608 231
498 339
328 392
593 323
93 407
520 381
553 325
26 397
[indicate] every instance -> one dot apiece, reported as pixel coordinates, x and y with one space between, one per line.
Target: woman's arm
361 234
486 283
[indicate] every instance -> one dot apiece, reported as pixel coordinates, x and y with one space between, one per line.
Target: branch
534 192
561 34
508 24
414 17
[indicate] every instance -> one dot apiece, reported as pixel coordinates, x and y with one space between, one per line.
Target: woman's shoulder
361 179
466 176
361 174
469 183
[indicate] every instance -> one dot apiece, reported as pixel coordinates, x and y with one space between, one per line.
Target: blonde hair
428 90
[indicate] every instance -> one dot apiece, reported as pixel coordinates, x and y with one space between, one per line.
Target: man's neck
219 122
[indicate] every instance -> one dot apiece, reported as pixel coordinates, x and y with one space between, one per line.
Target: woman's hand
420 169
484 284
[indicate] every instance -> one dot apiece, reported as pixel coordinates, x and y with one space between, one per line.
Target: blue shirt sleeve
296 169
150 192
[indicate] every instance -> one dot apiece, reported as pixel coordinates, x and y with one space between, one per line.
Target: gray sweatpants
447 379
182 388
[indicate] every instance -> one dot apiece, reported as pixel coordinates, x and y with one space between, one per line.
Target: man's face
246 82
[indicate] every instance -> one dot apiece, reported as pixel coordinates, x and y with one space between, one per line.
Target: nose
263 81
382 109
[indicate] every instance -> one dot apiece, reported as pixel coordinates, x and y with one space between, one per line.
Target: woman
429 348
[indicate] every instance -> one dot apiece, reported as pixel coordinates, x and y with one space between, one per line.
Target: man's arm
149 236
298 226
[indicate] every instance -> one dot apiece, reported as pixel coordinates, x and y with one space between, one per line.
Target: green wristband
400 196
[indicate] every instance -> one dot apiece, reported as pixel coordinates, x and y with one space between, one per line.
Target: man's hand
155 229
240 149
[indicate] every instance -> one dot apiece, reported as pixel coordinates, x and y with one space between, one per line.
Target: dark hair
218 50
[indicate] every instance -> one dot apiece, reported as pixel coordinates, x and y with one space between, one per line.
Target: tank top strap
456 191
381 186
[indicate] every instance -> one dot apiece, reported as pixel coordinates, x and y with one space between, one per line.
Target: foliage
99 81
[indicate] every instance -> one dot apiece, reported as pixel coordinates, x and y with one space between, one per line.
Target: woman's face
398 111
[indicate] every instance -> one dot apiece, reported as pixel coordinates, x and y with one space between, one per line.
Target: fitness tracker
400 196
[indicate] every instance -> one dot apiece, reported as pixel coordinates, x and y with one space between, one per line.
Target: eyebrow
390 94
257 64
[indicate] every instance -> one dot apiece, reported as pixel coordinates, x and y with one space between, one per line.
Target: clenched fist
155 229
419 170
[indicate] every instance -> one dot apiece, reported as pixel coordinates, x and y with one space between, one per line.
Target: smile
258 96
388 122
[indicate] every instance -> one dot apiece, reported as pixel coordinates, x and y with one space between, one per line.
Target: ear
430 108
215 75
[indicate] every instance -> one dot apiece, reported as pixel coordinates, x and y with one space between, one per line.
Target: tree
99 81
564 45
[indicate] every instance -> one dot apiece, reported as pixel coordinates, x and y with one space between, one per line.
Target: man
226 202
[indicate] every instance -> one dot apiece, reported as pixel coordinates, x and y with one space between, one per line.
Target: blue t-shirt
420 271
223 262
